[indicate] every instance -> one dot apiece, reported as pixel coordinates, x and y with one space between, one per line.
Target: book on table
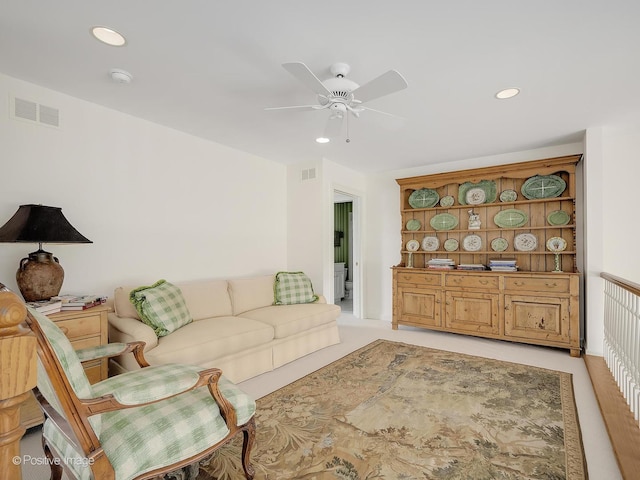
80 302
46 306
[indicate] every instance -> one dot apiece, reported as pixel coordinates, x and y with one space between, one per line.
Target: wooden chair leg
249 434
56 468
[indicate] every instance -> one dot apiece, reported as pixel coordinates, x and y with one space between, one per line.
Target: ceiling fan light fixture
322 140
507 93
109 36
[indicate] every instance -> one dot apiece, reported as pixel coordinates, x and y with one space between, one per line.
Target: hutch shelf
539 302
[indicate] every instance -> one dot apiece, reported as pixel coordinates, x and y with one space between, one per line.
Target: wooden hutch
524 209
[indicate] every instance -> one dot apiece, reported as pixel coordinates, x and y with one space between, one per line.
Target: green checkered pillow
161 306
293 287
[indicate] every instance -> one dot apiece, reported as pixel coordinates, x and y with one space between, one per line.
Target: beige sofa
235 328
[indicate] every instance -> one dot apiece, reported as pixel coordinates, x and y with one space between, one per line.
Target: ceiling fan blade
334 126
291 107
306 76
380 111
385 84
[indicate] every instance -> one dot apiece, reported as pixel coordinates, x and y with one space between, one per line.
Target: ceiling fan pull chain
348 139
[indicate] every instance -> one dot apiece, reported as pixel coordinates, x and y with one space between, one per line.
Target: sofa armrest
321 299
127 329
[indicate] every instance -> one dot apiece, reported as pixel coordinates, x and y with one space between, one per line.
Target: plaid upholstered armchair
137 425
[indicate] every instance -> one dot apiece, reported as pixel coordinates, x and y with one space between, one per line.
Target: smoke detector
120 76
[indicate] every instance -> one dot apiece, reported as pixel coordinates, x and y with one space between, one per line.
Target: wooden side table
85 328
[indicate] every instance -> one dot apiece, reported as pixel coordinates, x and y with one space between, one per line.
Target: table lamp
40 275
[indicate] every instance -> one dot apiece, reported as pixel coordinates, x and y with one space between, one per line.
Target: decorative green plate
508 196
451 244
558 217
424 198
510 218
413 225
444 221
488 186
543 186
447 201
499 244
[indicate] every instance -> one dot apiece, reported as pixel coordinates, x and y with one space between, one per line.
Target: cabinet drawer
419 278
86 342
555 285
472 281
93 370
80 327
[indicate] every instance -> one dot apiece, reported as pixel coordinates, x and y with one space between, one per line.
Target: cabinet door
472 312
419 306
535 317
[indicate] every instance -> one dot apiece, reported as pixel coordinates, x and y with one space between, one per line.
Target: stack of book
46 307
441 264
471 266
79 302
503 265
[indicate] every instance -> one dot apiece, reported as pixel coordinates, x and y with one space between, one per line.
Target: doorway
346 247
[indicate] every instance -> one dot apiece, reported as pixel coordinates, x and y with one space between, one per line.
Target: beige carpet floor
398 411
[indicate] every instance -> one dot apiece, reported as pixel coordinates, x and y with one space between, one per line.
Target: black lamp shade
40 224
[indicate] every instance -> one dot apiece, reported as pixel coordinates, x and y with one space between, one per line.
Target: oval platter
543 186
508 196
443 221
510 218
424 198
447 201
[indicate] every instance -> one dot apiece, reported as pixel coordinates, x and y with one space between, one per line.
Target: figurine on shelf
474 220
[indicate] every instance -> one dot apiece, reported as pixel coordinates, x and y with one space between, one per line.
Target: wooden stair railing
18 375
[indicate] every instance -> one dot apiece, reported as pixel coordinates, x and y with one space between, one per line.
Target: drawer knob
438 301
457 280
551 284
518 284
507 307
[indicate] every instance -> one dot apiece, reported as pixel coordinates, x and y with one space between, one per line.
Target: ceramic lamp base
40 276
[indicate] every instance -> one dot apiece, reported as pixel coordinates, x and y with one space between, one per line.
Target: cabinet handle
551 285
484 282
518 284
438 301
507 307
457 280
448 302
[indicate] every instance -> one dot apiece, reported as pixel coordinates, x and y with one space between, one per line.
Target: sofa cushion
161 306
121 303
207 298
291 288
294 319
210 338
251 293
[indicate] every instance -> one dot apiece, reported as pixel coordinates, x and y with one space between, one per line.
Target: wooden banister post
18 375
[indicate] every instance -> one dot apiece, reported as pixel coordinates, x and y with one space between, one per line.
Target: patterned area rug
397 411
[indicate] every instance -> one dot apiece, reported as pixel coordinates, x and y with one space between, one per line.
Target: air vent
33 112
308 174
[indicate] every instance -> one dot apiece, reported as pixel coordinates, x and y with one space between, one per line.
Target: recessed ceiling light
108 36
507 93
322 140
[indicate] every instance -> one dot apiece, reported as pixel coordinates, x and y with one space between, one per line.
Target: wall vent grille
33 112
308 174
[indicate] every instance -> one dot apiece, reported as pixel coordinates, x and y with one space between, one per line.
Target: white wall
157 203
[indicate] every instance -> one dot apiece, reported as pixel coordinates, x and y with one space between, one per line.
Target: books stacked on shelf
46 307
79 302
441 264
503 265
471 266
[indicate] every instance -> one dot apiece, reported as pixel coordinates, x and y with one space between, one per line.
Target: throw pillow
293 287
161 306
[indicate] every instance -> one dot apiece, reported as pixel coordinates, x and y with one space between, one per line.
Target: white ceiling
210 67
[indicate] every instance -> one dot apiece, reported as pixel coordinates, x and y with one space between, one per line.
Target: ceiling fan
341 95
